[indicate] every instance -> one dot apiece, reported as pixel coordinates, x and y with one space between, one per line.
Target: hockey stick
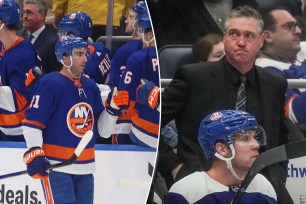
78 150
282 153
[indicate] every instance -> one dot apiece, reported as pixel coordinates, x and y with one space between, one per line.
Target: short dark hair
268 18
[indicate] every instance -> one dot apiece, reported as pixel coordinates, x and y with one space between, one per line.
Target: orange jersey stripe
19 39
48 191
66 152
15 118
21 100
146 125
91 49
11 119
288 104
34 123
129 113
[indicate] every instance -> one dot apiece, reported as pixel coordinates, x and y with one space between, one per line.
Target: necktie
241 97
30 37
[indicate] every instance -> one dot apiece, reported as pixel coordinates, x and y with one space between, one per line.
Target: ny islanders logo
80 119
215 116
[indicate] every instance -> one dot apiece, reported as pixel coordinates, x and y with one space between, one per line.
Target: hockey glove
117 102
36 163
33 75
147 93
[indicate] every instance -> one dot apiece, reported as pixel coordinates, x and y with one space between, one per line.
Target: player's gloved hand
117 102
147 93
36 161
33 75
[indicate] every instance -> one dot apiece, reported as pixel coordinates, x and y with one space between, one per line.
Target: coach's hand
36 161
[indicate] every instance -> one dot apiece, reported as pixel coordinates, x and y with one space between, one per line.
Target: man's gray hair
246 11
40 4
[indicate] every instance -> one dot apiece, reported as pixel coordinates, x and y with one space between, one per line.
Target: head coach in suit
199 89
42 36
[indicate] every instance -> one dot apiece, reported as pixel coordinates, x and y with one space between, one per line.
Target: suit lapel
40 40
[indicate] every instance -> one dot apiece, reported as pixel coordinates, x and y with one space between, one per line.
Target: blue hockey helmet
66 44
9 12
222 125
79 24
139 8
144 22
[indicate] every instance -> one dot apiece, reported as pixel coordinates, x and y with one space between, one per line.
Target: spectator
43 37
279 55
79 24
231 139
18 56
209 47
202 88
97 10
64 107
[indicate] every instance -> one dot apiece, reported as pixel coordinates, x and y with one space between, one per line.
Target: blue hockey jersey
118 65
98 66
15 63
145 122
65 110
120 58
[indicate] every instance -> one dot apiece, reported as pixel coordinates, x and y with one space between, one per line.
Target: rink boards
123 175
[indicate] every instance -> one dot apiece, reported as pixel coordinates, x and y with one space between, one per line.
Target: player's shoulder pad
99 47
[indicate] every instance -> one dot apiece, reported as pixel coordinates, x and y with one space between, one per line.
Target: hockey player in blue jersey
122 54
142 64
118 65
65 105
231 139
17 57
79 24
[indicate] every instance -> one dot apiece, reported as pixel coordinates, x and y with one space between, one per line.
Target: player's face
246 149
216 53
129 22
79 59
32 18
242 41
147 38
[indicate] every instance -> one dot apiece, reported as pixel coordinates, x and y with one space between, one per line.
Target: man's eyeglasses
291 26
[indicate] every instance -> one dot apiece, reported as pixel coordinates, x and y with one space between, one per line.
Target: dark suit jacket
45 45
198 90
